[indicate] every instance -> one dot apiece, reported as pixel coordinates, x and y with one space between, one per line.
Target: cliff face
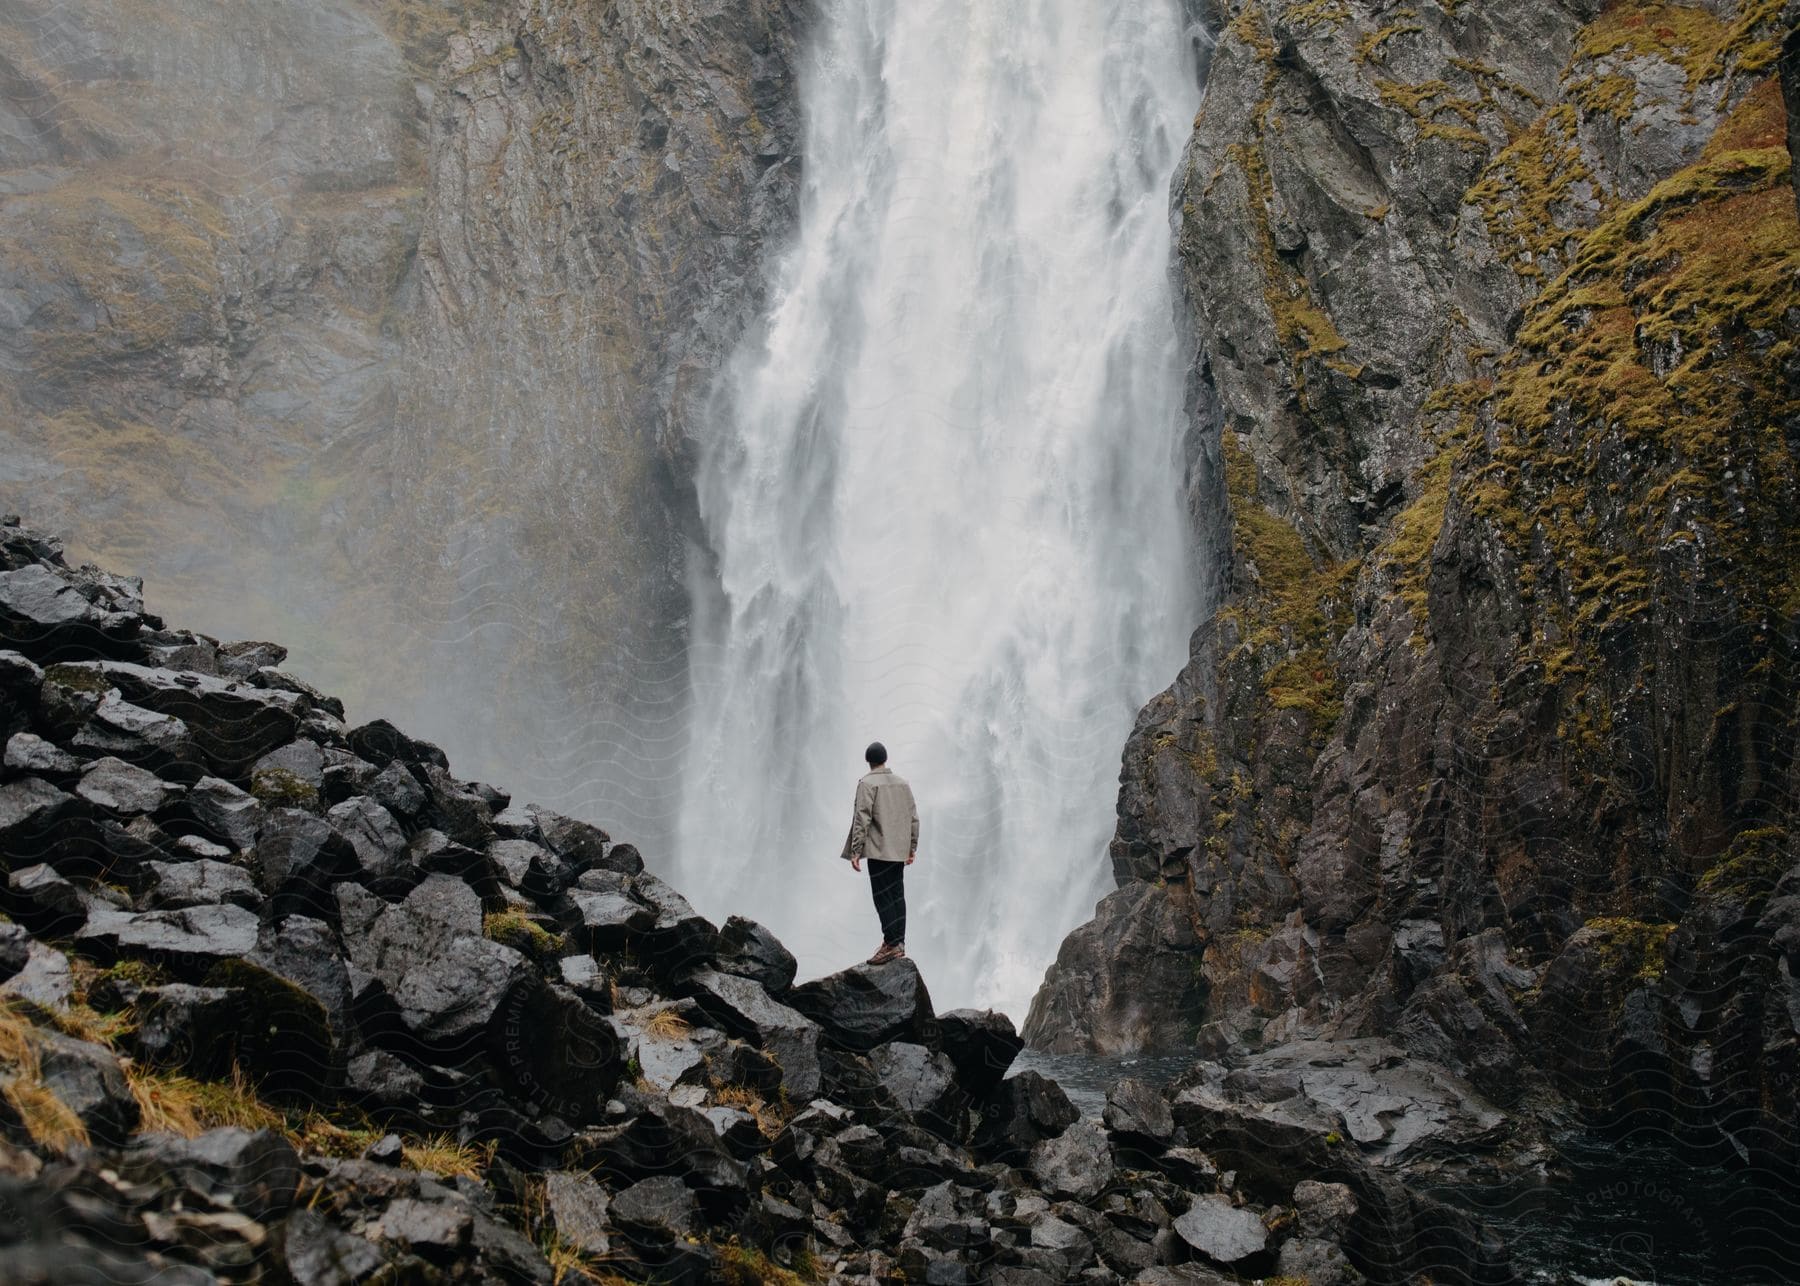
395 308
1490 742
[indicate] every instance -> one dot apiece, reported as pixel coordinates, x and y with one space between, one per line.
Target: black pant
887 880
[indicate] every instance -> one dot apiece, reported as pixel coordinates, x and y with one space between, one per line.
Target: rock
223 812
159 742
606 922
1323 1210
389 1149
922 1084
120 787
582 846
47 619
434 852
1221 1231
1072 1247
459 812
179 884
869 1005
659 1209
376 1080
568 1076
32 813
1019 1113
15 948
656 1137
381 743
679 939
187 1027
300 762
397 790
26 752
20 681
528 867
376 839
44 900
305 952
186 937
741 1007
579 1207
45 979
1138 1109
438 1230
297 860
982 1043
1318 1263
257 1171
1077 1163
88 1080
318 1253
232 725
749 950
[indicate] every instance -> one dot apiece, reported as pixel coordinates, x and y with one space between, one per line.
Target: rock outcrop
1490 743
284 1000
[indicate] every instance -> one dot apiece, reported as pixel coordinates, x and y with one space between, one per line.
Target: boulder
583 846
124 788
26 752
377 841
434 852
224 813
15 948
1078 1163
982 1043
297 860
46 618
437 1230
1323 1210
381 743
159 742
305 952
679 938
186 938
20 681
659 1209
1021 1112
749 950
317 1252
88 1080
179 884
397 790
658 1137
741 1007
530 868
301 762
452 807
257 1171
45 901
32 815
1222 1232
606 922
923 1084
554 1051
1138 1110
869 1005
45 979
579 1208
232 724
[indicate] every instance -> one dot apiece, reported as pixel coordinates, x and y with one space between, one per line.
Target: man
885 830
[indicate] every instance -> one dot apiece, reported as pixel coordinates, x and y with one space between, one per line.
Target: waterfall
943 489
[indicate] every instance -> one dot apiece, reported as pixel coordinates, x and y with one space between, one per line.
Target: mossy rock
282 788
519 931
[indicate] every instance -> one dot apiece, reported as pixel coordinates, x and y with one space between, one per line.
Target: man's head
876 754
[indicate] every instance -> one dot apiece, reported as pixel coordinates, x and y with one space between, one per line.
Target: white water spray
944 488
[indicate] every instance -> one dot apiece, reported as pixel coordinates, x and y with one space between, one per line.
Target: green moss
280 788
519 931
78 676
1631 948
1751 867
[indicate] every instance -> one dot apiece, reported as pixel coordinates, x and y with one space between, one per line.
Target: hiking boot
886 952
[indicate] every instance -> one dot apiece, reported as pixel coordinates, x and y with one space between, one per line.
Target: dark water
1629 1211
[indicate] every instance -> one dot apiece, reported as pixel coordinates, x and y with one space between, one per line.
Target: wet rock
376 839
232 725
1319 1263
869 1005
438 1230
224 813
1221 1231
45 901
47 619
120 787
88 1080
530 868
297 860
378 1080
32 812
28 753
397 790
20 681
179 884
158 742
1323 1210
15 948
982 1043
659 1209
584 847
680 938
389 1149
749 950
1138 1109
606 922
453 808
1022 1111
45 979
318 1253
381 743
569 1076
257 1171
186 938
580 1209
922 1084
741 1007
305 952
1078 1163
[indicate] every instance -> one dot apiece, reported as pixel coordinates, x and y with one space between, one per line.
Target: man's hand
856 863
910 857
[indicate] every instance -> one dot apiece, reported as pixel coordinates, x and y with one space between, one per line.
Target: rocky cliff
394 308
1490 743
284 1000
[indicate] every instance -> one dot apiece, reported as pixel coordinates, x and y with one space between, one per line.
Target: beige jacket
885 826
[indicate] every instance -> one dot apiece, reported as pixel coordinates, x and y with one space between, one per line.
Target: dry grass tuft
46 1118
443 1155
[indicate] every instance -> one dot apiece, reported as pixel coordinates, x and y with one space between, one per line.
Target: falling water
944 486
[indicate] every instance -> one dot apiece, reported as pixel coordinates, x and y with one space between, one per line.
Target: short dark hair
876 754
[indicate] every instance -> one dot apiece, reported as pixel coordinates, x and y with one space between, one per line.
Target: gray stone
373 835
1077 1163
179 884
436 1229
579 1207
749 950
397 790
659 1209
120 787
742 1008
88 1080
45 979
1221 1231
229 815
869 1005
26 752
1138 1108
